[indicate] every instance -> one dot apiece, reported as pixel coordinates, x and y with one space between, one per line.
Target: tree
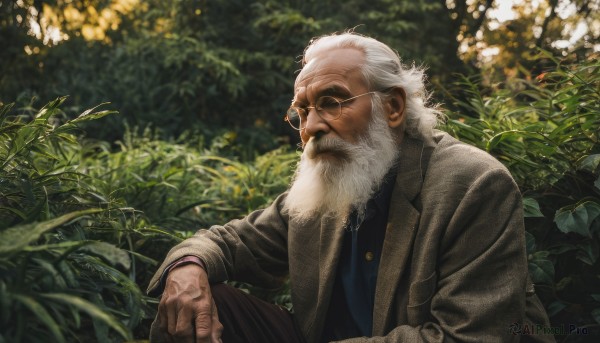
198 64
508 46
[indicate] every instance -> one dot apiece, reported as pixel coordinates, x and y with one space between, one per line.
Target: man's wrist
189 259
185 260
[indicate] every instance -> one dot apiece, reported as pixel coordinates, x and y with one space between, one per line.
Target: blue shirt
351 308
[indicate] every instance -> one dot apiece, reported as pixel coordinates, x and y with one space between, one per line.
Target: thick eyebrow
331 90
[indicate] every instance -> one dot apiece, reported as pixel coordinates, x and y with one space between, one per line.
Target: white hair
383 70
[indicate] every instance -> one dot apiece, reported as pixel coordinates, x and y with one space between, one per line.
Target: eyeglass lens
327 107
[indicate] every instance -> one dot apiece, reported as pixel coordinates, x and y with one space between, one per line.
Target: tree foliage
204 64
507 45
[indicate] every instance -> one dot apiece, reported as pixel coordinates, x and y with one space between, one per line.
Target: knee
221 291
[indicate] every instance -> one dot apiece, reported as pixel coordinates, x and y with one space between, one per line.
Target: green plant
186 186
67 260
83 223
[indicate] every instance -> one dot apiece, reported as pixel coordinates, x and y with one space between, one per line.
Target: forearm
242 250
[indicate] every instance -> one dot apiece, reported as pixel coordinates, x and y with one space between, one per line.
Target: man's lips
326 151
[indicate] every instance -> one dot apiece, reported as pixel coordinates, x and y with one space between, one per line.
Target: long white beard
347 178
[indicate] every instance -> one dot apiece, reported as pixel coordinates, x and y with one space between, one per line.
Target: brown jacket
453 266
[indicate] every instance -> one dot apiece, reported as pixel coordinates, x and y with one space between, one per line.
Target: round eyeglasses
327 107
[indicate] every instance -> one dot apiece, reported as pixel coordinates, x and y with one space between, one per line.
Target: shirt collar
381 199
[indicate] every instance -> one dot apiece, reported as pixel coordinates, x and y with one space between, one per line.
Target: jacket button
369 256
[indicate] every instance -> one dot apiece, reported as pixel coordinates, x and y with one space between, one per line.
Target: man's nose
315 125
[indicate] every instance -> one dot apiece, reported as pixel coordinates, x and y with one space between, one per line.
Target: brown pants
246 319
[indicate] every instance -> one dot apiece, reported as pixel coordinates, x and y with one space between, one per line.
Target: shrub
65 250
83 223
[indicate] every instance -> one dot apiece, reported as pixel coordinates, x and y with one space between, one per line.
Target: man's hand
187 311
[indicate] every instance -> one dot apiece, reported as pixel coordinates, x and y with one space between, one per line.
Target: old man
391 231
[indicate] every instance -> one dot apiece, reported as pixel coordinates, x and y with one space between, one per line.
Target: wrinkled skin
187 312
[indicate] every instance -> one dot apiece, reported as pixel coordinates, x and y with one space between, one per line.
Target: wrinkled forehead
333 62
305 72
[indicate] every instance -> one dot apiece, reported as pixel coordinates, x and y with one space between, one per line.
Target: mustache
333 145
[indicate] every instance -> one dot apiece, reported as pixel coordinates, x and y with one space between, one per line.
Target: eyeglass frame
308 108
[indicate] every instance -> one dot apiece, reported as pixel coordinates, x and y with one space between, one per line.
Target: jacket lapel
403 220
331 239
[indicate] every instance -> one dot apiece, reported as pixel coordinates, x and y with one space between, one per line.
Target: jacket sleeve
479 287
252 249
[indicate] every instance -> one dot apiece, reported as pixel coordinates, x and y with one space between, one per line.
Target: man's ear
396 105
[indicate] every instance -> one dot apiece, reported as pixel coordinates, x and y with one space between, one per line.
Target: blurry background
126 125
201 65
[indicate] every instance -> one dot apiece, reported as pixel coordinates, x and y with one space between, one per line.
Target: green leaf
564 282
596 297
561 248
92 310
597 183
588 253
579 219
101 329
4 111
59 246
48 270
541 269
589 163
530 243
68 274
40 312
498 138
15 211
89 114
109 252
596 315
531 208
48 110
18 237
540 255
555 307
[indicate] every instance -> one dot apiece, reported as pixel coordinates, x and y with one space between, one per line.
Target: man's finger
163 322
162 316
172 309
203 324
217 327
184 331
